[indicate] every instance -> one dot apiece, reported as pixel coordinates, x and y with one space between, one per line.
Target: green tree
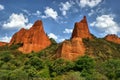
4 74
53 41
6 56
35 62
60 66
18 74
31 71
111 69
85 62
85 65
44 73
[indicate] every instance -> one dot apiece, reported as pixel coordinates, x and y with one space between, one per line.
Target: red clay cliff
34 39
3 43
113 38
73 48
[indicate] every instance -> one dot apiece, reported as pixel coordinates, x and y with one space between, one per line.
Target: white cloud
1 7
68 31
5 39
49 12
28 25
65 7
91 13
106 24
16 21
60 40
90 3
27 12
37 13
51 35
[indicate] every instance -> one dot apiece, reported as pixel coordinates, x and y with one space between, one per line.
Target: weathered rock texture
34 39
3 43
73 48
113 38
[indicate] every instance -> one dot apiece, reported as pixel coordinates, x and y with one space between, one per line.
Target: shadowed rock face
3 43
34 39
73 48
113 38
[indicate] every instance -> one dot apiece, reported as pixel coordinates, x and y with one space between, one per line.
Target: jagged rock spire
81 29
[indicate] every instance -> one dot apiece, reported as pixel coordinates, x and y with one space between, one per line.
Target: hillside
43 65
79 58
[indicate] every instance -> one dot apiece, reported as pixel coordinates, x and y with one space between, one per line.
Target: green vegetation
101 49
101 62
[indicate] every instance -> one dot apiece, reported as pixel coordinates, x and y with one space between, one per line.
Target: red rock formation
81 29
113 38
73 48
34 39
18 37
3 43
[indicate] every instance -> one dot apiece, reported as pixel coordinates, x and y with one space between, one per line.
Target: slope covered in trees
101 62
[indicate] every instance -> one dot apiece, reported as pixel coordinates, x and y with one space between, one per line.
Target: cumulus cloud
106 24
1 7
5 39
49 12
65 7
16 21
89 3
68 31
51 35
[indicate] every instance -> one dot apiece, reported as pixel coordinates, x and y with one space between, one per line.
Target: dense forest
101 62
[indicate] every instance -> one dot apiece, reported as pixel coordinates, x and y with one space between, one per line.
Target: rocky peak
84 20
33 39
73 48
113 38
38 23
81 29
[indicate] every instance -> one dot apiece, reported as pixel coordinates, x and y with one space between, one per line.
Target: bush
18 74
111 69
44 73
60 66
35 62
73 76
6 56
85 63
4 74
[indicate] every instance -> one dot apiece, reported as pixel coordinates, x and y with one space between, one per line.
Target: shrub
60 66
111 69
85 63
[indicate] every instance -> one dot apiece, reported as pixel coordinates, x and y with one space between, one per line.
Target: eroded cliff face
113 38
33 39
73 48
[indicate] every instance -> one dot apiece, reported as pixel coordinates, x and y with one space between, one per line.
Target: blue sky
59 16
